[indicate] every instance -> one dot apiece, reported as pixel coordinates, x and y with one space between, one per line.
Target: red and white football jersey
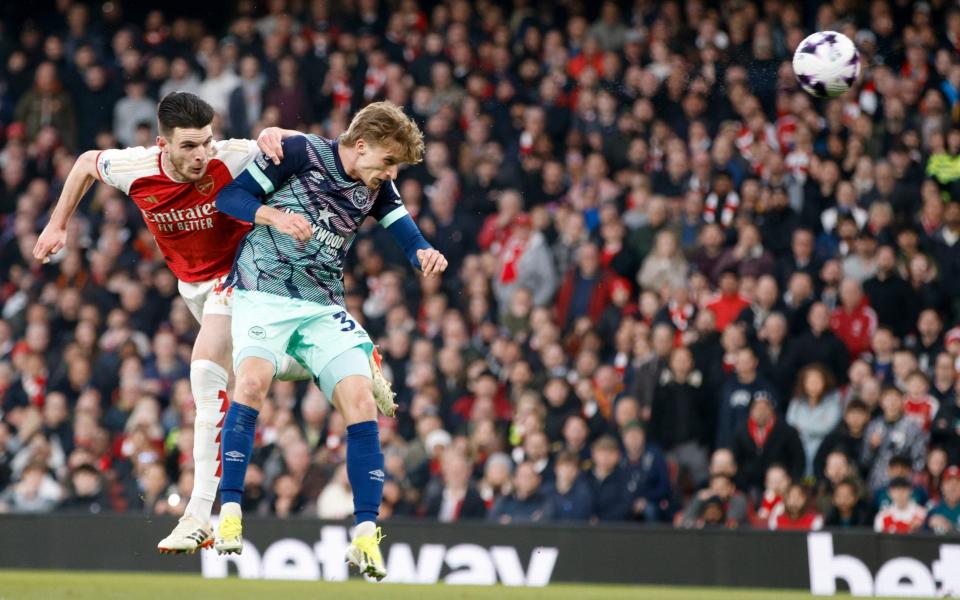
198 241
908 520
921 409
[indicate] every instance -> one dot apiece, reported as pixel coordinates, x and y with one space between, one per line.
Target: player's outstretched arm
419 252
54 236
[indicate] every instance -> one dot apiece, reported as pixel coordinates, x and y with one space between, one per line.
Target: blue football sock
365 469
239 428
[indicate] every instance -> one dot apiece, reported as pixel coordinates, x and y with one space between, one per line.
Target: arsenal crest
205 185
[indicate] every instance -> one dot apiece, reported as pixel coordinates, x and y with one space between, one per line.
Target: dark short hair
183 109
901 461
857 404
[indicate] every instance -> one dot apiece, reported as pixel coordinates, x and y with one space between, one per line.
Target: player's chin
374 183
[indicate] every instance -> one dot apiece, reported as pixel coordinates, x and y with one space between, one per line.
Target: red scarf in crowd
511 256
758 434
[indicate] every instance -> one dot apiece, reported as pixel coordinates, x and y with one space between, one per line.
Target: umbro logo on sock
378 475
234 456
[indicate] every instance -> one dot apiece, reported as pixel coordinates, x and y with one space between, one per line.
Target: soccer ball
826 64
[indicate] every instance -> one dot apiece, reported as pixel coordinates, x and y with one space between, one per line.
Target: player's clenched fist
432 263
52 239
293 225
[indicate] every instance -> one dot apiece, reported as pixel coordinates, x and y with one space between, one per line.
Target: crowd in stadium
680 290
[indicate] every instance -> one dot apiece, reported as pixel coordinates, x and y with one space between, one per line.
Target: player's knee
355 397
251 389
362 405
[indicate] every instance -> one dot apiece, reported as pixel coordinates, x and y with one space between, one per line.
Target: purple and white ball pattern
826 64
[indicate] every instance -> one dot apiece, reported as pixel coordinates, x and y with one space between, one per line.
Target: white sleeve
237 154
119 168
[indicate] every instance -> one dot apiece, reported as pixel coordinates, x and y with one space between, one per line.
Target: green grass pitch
57 585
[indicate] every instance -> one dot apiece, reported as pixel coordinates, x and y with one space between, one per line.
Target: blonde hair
385 123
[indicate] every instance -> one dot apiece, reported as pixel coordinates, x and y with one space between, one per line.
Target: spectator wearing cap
814 411
648 479
727 303
525 262
571 494
903 514
740 390
888 293
526 504
763 440
453 497
891 434
944 516
586 287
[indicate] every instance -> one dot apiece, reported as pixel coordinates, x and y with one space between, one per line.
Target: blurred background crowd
681 290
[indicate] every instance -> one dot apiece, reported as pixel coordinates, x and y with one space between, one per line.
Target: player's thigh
214 340
262 326
324 341
212 305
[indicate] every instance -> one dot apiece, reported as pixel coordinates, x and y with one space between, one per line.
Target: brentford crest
361 196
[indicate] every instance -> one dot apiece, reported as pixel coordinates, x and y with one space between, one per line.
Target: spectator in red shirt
904 515
496 228
776 484
917 402
795 514
728 303
854 322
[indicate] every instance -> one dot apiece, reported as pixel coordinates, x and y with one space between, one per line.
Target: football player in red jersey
175 185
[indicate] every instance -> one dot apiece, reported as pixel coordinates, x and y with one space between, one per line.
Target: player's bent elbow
87 163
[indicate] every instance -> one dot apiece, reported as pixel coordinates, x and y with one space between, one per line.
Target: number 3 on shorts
350 324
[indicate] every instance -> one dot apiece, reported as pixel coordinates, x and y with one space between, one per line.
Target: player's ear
161 141
361 146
